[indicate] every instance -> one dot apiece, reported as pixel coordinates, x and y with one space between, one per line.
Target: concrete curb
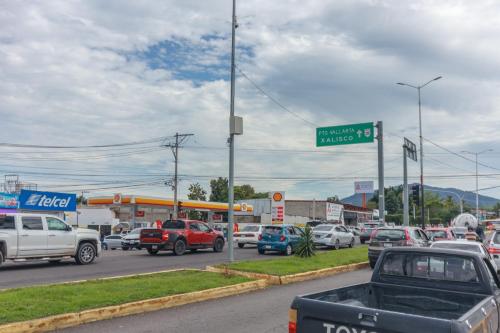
78 318
287 279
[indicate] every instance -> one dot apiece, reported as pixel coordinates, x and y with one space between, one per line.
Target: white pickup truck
38 236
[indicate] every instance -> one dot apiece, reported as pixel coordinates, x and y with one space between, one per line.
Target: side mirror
69 228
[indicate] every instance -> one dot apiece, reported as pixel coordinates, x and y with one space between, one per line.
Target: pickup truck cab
26 236
411 290
181 235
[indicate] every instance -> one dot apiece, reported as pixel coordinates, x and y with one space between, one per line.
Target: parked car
390 237
181 235
333 236
466 246
411 290
248 234
459 232
314 223
112 242
41 236
493 244
367 229
436 234
132 240
279 238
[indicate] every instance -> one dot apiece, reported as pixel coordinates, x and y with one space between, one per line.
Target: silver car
112 242
333 236
493 245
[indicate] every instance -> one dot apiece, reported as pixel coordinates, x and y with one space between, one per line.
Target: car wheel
218 245
85 254
351 244
1 258
139 248
152 252
241 245
125 248
179 247
337 245
288 250
261 251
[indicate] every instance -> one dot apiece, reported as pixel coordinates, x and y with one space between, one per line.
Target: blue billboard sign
8 200
47 201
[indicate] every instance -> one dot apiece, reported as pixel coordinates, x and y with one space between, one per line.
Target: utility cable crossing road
264 311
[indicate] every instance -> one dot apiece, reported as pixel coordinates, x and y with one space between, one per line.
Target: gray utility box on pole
236 125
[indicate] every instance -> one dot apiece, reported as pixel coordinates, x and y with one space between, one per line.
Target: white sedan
466 245
247 234
333 235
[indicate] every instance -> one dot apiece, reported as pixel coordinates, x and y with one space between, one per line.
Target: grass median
42 301
294 265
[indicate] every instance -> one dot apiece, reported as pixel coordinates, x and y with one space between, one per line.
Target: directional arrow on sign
359 133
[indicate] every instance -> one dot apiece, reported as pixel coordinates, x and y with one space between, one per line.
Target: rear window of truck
7 222
174 225
430 267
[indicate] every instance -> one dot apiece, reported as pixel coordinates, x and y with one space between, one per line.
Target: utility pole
235 128
314 209
476 154
179 139
409 150
381 196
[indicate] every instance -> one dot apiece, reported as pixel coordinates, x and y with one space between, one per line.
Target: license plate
154 247
267 247
387 244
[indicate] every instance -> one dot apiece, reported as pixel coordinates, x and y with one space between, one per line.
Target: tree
218 189
246 191
335 198
305 248
196 192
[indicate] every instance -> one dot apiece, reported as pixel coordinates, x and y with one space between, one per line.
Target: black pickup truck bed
403 305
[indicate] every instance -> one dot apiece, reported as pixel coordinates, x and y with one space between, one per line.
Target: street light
422 206
477 177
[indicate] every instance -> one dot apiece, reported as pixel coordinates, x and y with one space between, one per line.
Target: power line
274 100
132 143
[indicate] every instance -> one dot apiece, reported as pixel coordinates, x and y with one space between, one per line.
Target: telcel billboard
47 201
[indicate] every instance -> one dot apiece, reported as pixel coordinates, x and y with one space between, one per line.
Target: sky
92 73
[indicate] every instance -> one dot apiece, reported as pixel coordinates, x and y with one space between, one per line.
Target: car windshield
457 246
135 231
390 234
250 228
174 225
496 238
272 230
323 228
436 234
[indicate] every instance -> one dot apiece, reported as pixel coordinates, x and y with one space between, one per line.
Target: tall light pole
422 205
476 154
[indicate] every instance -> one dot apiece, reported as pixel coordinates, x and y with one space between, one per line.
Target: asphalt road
264 311
113 263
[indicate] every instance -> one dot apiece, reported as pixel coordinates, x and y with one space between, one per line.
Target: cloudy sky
90 73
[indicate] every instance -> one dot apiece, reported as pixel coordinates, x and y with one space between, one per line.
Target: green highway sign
344 135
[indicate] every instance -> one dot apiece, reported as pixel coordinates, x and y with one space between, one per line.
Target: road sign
411 149
344 135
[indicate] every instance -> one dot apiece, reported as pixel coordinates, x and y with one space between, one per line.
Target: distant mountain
468 197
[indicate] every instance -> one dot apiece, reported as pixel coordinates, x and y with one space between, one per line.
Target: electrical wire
132 143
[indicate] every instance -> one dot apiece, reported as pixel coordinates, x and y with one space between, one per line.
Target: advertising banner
334 212
47 201
8 200
277 207
363 187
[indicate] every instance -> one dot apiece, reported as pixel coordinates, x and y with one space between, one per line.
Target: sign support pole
406 213
381 197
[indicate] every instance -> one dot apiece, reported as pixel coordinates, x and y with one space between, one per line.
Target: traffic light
415 193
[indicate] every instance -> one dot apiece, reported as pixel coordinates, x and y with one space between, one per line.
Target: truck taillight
292 321
493 250
164 236
282 238
260 237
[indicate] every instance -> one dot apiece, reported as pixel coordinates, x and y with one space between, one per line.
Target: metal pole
314 210
406 213
477 191
176 204
422 202
381 197
230 218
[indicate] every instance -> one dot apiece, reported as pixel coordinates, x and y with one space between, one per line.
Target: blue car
279 238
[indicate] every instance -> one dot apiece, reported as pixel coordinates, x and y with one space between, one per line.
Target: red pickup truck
181 235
